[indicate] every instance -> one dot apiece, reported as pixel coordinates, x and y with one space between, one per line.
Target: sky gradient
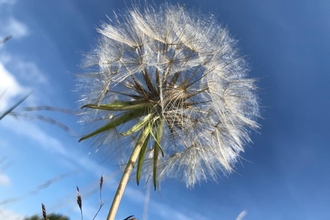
283 174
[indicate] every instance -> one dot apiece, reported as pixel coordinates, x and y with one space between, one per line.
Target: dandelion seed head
179 67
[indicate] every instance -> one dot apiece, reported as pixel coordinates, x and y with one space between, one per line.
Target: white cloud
241 215
29 71
25 70
31 131
10 83
9 87
13 27
169 213
5 58
4 180
7 2
51 144
9 215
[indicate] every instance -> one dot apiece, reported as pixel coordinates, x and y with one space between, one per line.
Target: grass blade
14 106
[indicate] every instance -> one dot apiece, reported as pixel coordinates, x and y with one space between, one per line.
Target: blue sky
284 174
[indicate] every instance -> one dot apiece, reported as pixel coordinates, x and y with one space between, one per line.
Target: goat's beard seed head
182 68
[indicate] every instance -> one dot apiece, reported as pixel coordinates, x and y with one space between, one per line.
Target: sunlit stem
127 172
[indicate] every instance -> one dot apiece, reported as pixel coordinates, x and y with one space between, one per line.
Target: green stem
127 172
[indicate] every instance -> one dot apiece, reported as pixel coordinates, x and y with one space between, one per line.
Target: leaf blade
114 123
138 126
119 106
141 159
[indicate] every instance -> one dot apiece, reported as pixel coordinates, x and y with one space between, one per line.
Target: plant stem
127 172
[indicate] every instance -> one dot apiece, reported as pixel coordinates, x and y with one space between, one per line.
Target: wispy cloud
30 69
167 212
241 215
17 80
4 180
29 130
9 215
7 2
11 26
27 71
9 87
163 211
33 132
9 84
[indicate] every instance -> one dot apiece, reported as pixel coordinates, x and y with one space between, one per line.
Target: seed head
172 79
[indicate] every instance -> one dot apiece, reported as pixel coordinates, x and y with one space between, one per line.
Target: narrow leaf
149 83
114 123
139 88
154 174
119 106
159 134
158 80
141 159
157 147
142 141
138 126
